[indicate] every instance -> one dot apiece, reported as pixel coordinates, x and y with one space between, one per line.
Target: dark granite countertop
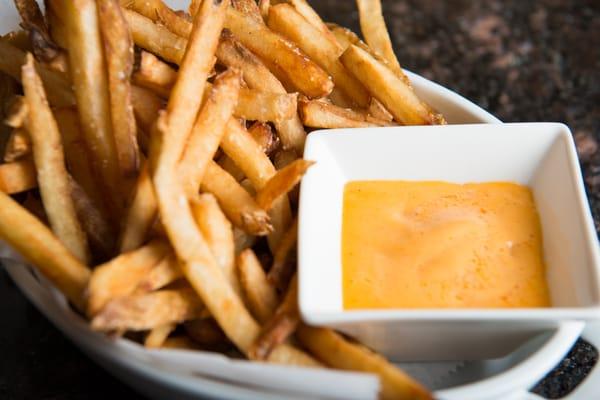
521 60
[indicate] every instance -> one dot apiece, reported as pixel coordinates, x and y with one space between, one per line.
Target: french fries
386 87
260 296
121 276
284 19
49 163
283 58
118 49
169 164
337 352
320 114
36 243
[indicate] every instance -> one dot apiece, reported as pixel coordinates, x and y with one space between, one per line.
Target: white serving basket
195 375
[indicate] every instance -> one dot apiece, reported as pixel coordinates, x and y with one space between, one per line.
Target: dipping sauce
409 244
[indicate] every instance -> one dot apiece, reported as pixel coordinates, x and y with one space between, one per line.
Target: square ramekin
540 155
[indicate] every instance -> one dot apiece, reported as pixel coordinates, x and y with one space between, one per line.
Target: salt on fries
168 180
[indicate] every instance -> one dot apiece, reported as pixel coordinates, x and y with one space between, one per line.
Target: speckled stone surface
521 60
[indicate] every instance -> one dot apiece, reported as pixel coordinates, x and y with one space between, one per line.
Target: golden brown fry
17 146
304 9
36 243
140 214
279 327
56 26
147 311
162 274
155 38
264 136
87 65
49 162
283 58
235 201
18 39
337 352
145 107
118 50
208 130
260 296
238 144
159 12
18 176
375 32
155 74
262 106
319 114
384 85
217 231
57 86
158 335
120 276
257 76
76 156
281 269
281 183
99 232
284 19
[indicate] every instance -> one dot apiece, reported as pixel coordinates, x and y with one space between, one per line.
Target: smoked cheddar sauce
441 245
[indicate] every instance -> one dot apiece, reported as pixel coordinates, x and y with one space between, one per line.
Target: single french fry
99 232
49 162
285 20
56 27
218 232
88 73
155 38
229 165
337 352
155 74
375 32
120 276
77 158
157 336
33 21
162 274
282 182
159 12
284 59
235 201
280 326
140 214
18 176
304 9
319 114
57 86
257 76
260 296
208 130
118 50
17 146
385 85
262 106
147 311
238 144
36 243
281 269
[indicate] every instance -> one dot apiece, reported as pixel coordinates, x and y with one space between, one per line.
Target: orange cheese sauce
437 244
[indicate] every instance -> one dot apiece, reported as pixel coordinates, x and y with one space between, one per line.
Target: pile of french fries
151 157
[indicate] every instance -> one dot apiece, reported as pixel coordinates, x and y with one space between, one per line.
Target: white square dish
539 155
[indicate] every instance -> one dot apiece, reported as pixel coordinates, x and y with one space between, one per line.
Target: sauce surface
434 244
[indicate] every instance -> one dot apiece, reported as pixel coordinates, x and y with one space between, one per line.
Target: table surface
521 60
